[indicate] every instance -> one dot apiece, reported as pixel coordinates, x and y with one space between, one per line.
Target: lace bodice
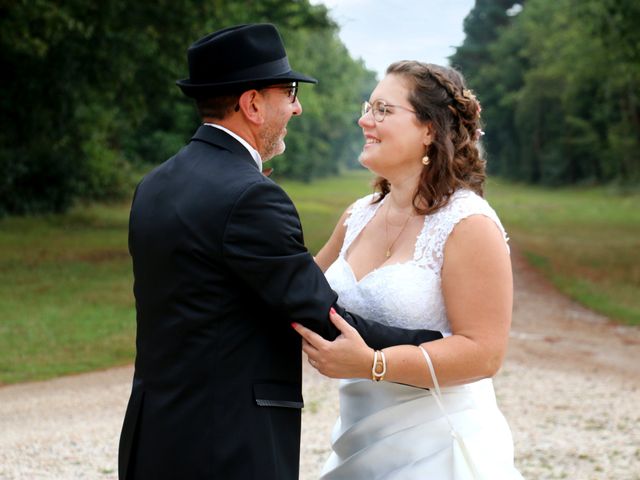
406 294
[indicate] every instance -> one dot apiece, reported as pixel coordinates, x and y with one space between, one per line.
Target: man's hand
348 356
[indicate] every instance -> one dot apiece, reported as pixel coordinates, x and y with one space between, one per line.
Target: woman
426 251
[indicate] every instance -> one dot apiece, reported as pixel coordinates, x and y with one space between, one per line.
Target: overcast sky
383 31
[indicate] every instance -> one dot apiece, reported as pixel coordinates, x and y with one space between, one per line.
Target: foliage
326 136
559 83
91 92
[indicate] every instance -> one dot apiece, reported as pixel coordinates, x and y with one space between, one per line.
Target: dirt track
570 388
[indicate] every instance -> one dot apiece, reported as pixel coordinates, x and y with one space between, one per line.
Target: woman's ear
251 104
428 135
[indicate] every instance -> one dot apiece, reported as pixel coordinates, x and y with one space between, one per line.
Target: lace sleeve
429 252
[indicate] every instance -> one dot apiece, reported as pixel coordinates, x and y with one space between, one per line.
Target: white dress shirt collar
254 153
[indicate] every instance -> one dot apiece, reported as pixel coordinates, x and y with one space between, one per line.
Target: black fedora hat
236 56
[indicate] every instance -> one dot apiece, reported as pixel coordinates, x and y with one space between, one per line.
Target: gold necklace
386 225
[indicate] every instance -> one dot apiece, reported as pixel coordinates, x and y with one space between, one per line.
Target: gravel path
570 388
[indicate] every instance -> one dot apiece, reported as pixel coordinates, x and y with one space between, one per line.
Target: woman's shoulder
362 206
365 202
465 203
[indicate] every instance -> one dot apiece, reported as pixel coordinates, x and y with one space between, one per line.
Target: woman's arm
477 288
330 251
477 285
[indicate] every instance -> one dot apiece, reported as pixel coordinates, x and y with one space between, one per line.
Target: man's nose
297 107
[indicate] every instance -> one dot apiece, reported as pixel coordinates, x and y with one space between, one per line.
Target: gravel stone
569 387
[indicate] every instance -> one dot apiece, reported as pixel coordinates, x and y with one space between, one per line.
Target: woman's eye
380 108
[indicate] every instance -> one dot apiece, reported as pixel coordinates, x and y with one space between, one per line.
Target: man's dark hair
217 107
221 104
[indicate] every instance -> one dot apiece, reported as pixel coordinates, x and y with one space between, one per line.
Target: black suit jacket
220 272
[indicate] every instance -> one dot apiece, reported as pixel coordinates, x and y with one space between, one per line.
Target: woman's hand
348 356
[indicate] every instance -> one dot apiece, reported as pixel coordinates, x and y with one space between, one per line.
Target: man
221 272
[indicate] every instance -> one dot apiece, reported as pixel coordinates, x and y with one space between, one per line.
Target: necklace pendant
388 254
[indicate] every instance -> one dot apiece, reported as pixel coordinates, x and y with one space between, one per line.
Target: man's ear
251 104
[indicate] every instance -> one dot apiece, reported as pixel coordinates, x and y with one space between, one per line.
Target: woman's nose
366 119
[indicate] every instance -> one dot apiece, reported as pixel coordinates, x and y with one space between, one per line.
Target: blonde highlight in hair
440 98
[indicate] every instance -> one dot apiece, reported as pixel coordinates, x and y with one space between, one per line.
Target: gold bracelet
379 367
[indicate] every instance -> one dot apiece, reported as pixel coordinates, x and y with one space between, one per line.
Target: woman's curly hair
439 97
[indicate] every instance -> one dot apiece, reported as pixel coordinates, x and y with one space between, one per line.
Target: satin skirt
392 432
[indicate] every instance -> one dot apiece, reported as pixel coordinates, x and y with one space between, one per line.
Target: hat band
275 67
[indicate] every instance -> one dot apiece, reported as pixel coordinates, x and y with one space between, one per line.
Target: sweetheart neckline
377 269
344 252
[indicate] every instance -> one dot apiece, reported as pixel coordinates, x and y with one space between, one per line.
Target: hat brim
199 89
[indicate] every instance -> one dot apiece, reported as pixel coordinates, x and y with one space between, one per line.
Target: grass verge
585 240
65 293
66 302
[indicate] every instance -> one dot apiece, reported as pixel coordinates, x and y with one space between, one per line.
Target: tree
559 85
92 93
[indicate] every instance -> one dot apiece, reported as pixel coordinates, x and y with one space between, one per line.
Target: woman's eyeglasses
380 108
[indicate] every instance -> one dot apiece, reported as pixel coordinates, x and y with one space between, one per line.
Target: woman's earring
425 160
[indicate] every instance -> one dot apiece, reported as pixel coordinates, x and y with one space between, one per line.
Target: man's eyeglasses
292 90
380 109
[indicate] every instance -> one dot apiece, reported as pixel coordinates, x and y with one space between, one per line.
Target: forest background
88 103
88 98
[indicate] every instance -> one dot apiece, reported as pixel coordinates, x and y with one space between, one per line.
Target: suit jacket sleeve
263 245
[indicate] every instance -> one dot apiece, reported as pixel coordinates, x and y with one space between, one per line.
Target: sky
384 31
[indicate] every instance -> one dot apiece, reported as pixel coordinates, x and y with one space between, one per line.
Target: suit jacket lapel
219 138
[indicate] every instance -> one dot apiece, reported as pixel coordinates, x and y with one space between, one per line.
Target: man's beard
272 140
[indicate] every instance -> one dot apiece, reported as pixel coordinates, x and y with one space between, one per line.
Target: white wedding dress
391 431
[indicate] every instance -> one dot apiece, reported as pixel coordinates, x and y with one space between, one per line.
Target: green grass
65 293
585 240
66 302
321 203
